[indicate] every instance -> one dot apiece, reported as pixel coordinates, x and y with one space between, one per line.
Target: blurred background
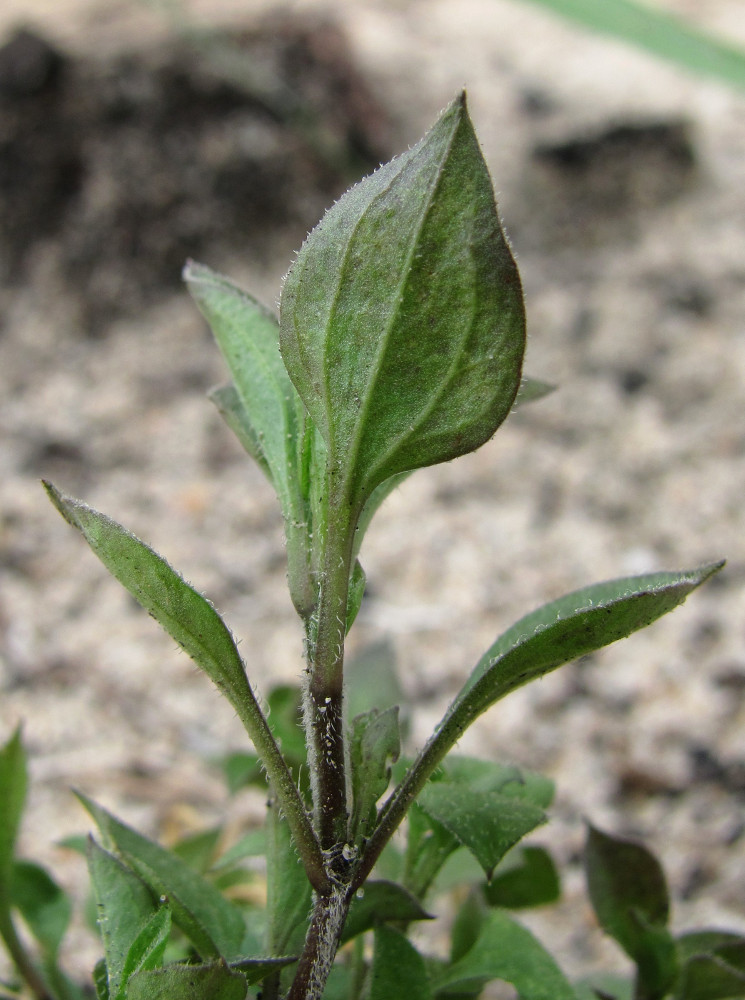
135 135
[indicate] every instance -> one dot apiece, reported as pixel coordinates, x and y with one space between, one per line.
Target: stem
20 956
321 943
292 804
324 692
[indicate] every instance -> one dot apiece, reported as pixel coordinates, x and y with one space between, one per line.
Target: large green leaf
505 950
215 926
402 321
398 970
712 966
628 891
487 823
13 787
659 32
572 626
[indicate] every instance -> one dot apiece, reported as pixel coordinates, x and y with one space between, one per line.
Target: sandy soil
620 182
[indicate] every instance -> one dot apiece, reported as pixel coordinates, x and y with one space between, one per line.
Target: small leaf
402 321
125 907
628 891
506 950
248 336
398 970
371 680
148 948
42 903
712 966
214 925
101 980
572 626
13 786
213 981
382 901
233 412
528 879
487 823
375 743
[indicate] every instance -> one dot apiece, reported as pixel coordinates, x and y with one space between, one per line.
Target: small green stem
21 959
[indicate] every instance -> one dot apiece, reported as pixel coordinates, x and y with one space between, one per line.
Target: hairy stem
323 703
321 944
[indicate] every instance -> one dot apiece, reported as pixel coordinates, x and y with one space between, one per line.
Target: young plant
399 345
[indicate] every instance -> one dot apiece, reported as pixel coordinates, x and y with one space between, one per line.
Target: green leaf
712 966
468 923
195 625
288 889
187 616
198 850
213 925
381 901
125 906
628 891
101 980
488 776
659 32
13 787
604 987
506 950
371 681
42 903
398 970
242 769
213 981
429 846
233 412
375 743
565 629
527 877
402 321
148 948
248 336
487 823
